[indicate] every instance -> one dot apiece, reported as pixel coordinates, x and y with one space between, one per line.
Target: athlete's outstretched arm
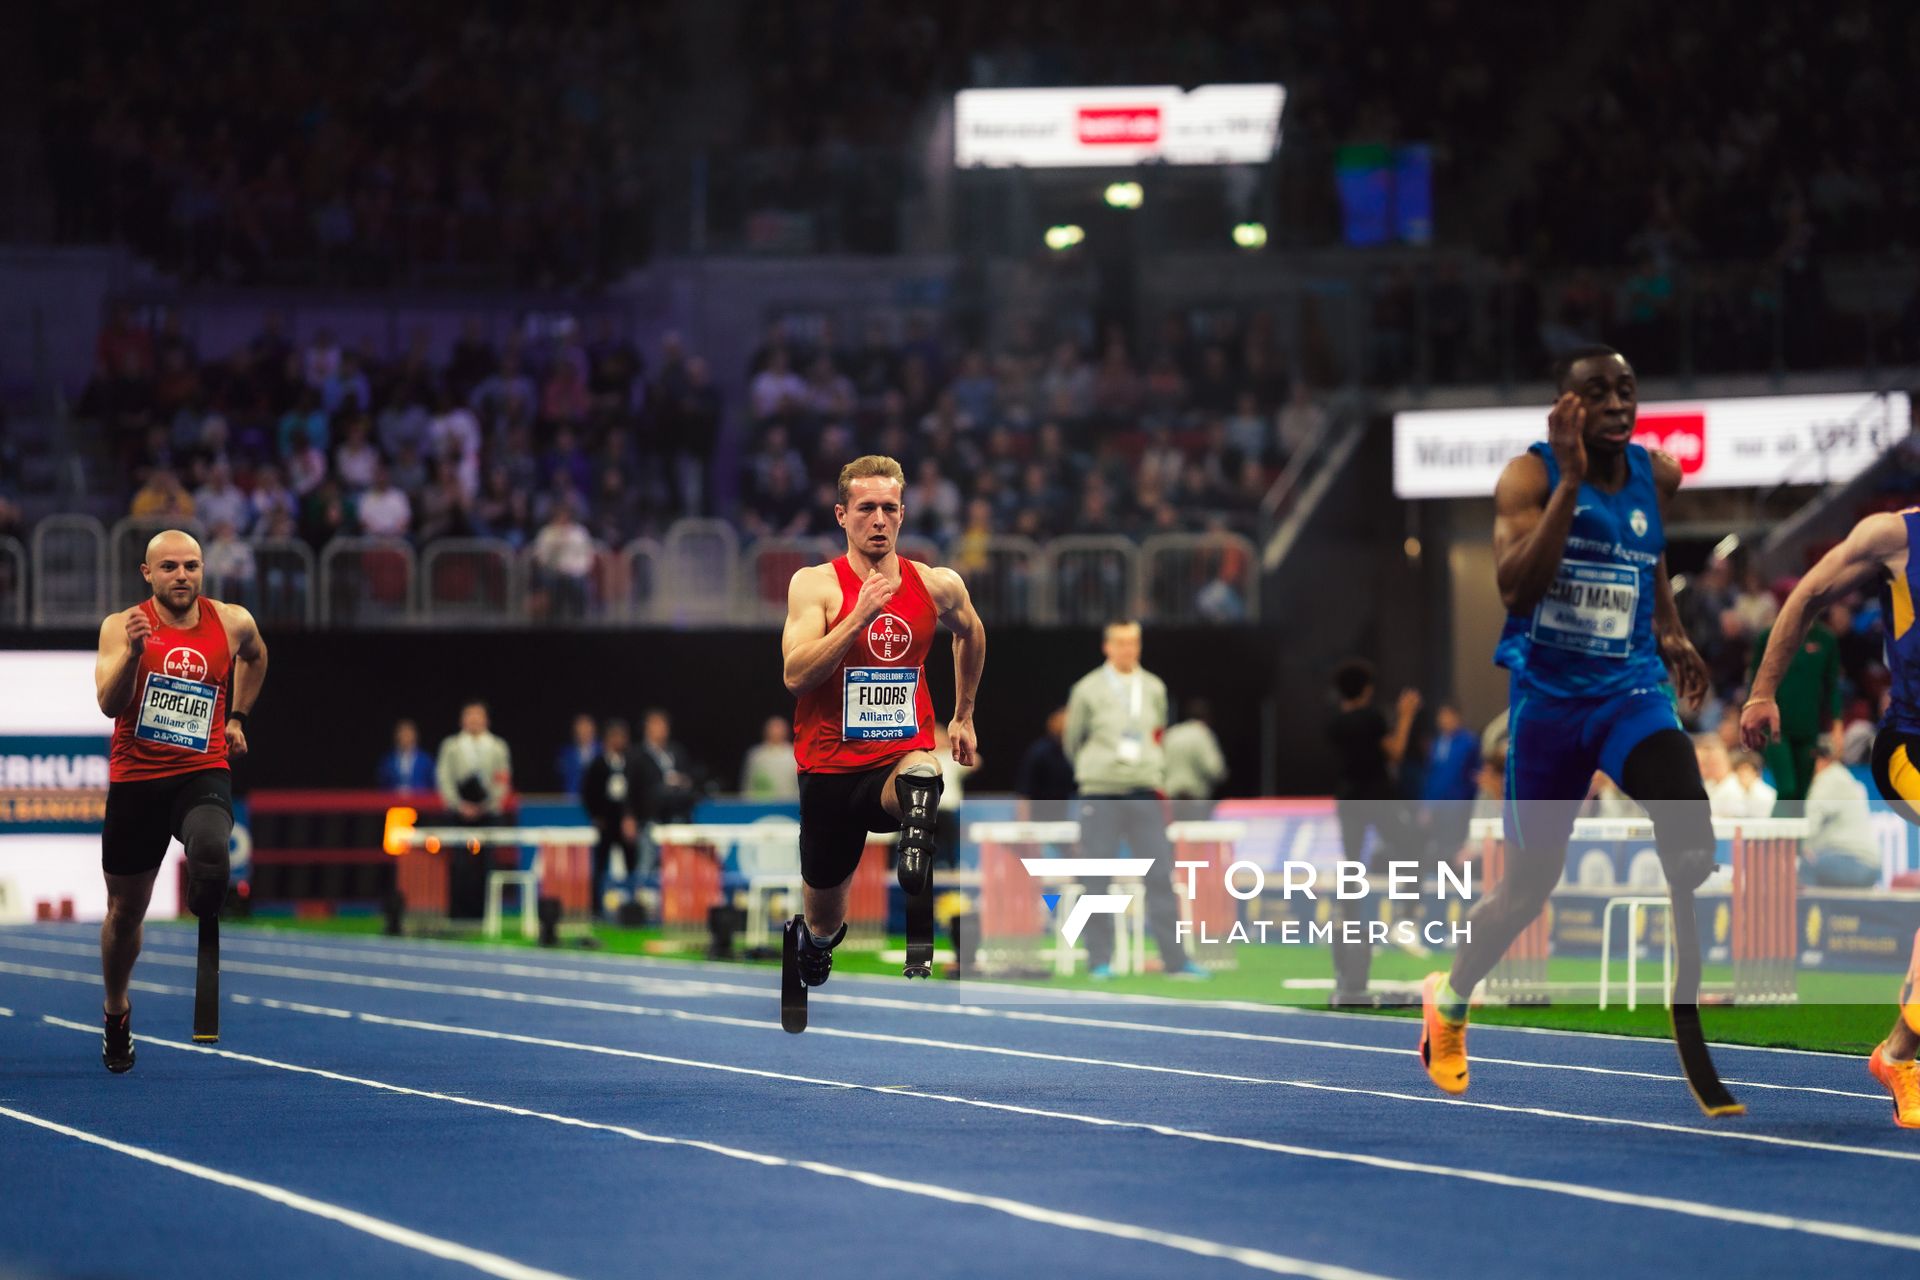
1688 668
117 667
969 656
809 650
1856 561
249 674
1530 526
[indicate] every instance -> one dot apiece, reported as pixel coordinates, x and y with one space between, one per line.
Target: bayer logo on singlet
186 664
889 638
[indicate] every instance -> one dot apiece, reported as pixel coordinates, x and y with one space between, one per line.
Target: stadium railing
74 569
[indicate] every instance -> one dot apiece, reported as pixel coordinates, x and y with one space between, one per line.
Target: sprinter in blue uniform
1883 549
1591 639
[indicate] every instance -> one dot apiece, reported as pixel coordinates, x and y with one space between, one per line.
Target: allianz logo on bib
187 664
889 638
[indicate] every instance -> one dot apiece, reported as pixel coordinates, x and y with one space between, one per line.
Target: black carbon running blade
206 984
793 992
1696 1063
920 935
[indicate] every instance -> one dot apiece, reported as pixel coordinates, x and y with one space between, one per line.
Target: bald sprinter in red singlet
162 674
855 647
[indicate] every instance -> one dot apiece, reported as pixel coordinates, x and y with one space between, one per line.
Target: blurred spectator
1301 421
1450 782
1366 751
385 512
405 767
570 764
1045 776
1840 850
608 794
356 460
775 390
162 498
1116 718
670 780
563 559
567 397
1195 764
1809 703
306 465
769 771
229 564
474 770
442 509
220 501
1736 791
474 776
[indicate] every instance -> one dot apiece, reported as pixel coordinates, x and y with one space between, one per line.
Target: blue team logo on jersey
1638 523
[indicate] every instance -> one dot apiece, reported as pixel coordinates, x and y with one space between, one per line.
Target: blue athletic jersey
1591 636
1903 639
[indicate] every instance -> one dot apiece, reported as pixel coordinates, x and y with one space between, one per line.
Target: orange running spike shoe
1902 1080
1443 1044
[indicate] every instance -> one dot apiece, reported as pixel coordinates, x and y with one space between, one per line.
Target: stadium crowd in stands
584 437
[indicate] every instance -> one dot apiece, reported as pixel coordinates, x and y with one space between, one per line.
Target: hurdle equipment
1757 917
561 868
1766 915
1632 907
1212 911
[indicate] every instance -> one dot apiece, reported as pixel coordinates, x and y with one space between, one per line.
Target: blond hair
874 466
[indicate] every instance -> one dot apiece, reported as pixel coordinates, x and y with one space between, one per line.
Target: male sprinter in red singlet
162 675
1882 550
855 649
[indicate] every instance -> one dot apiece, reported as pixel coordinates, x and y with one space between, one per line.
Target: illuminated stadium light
1064 236
1125 195
1250 235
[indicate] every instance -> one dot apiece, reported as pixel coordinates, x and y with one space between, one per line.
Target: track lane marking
479 1259
1257 1259
1689 1208
1051 1019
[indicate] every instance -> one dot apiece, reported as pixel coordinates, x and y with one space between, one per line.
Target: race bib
1589 609
176 713
880 704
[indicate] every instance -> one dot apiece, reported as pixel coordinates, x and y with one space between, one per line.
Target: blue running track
399 1108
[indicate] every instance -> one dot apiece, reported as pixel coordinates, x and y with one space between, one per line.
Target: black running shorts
143 816
837 810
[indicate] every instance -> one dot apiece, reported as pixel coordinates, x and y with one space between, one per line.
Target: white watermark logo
1087 905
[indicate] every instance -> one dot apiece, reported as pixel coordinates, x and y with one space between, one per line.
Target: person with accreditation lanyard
1116 716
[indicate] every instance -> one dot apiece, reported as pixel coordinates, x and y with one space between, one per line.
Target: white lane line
1078 996
1690 1208
1009 1015
479 1259
1315 1086
1258 1259
92 979
376 982
6 1013
391 950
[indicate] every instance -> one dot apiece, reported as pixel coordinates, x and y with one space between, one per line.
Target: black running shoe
116 1046
815 958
